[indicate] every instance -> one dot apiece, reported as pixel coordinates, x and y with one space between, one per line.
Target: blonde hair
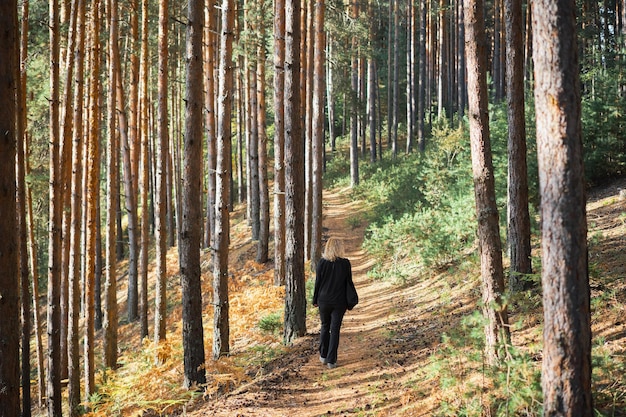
333 249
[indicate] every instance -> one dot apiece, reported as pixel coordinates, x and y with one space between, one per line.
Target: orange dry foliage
141 385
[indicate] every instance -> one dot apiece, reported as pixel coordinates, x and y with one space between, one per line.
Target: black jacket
331 281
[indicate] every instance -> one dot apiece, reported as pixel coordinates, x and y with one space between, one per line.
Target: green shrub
272 323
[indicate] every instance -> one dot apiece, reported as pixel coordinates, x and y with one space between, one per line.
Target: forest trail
384 342
385 365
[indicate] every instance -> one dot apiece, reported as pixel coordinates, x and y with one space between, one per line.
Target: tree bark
279 142
24 286
264 202
319 88
162 156
421 93
191 222
9 251
110 281
209 81
92 170
145 174
221 330
54 228
74 276
566 370
354 80
496 328
295 301
518 215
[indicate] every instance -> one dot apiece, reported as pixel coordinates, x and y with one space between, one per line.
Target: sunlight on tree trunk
497 326
566 370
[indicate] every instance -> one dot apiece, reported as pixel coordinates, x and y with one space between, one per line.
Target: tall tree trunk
145 174
128 134
221 331
92 172
191 222
241 181
354 80
308 125
209 81
390 50
330 95
442 79
264 202
461 82
318 131
74 276
497 51
518 215
372 91
24 291
65 177
162 156
253 147
371 84
497 326
422 82
396 79
295 301
410 85
279 142
566 371
9 250
34 267
54 228
110 284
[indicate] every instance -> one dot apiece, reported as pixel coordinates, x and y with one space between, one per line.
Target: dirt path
380 348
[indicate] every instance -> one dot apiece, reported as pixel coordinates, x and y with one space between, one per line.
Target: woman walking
334 294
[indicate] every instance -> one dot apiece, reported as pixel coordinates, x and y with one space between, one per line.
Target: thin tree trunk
279 143
390 49
77 196
145 174
24 292
92 171
319 87
34 267
209 80
518 215
295 301
221 331
354 79
66 149
410 57
330 104
191 222
396 79
566 370
308 126
253 147
9 249
495 311
161 179
128 144
264 201
461 82
54 228
110 284
422 82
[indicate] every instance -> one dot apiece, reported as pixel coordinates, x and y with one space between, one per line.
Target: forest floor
390 343
386 341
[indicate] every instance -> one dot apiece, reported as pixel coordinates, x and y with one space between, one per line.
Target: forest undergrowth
413 346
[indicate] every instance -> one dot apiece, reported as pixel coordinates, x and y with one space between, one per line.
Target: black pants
331 317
